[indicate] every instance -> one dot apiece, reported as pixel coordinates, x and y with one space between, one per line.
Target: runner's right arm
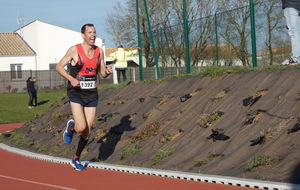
69 57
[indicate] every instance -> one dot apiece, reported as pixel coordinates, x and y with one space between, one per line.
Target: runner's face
90 35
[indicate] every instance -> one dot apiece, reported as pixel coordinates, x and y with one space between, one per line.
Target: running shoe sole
66 130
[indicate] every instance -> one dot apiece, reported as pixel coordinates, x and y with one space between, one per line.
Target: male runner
85 60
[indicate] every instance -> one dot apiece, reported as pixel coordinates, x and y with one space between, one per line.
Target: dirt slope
243 106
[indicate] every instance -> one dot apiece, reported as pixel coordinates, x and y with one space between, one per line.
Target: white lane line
38 183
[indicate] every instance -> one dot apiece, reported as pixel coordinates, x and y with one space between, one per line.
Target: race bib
87 82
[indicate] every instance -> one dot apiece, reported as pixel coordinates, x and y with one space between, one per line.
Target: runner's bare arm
70 56
105 70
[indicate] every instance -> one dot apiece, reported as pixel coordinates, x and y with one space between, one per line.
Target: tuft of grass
123 163
100 133
67 151
221 94
42 148
161 155
148 114
53 149
209 119
261 161
252 114
207 159
15 134
106 117
146 133
167 137
36 143
213 71
112 116
260 93
24 141
58 118
132 150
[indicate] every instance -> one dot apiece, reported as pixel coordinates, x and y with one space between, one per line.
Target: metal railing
253 35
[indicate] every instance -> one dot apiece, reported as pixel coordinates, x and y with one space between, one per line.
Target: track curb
226 180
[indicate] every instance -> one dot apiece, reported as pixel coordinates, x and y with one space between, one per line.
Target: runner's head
88 33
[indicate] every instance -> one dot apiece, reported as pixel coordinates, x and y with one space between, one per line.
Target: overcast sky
71 14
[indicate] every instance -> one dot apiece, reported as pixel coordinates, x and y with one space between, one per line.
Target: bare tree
270 25
167 24
168 15
235 30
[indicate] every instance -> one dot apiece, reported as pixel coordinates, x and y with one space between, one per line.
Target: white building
15 54
34 50
48 42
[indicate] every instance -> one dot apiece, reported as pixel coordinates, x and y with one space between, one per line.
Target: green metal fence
238 37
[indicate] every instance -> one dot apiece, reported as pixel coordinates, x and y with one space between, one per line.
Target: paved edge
163 173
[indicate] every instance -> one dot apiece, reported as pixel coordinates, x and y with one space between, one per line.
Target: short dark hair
83 27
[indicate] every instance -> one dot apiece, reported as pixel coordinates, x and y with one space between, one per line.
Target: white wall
50 42
27 62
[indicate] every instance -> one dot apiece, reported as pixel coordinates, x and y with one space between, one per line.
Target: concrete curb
163 173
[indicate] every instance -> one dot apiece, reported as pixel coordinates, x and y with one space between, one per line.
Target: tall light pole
151 37
139 41
187 44
253 34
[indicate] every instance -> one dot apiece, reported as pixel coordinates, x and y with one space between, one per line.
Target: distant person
36 89
31 92
86 60
291 10
121 61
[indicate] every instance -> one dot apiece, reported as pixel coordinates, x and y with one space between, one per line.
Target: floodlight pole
253 34
151 37
187 45
139 41
217 40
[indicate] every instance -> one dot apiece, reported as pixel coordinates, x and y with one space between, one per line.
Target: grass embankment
13 106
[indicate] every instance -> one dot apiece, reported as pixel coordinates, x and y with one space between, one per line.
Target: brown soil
154 116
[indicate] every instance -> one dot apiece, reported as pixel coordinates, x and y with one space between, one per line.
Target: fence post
162 53
151 37
187 45
50 78
139 41
217 40
253 34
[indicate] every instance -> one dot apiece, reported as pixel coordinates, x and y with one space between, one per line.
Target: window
16 71
52 66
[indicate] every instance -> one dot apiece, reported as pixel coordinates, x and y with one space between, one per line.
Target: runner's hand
108 70
75 82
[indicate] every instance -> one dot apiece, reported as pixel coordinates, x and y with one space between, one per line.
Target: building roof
40 21
13 44
278 50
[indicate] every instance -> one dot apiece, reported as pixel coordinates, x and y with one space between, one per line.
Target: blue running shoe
77 164
68 135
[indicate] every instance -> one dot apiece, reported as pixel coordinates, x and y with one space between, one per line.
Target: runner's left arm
105 70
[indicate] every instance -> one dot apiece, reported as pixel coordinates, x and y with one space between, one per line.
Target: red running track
20 172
